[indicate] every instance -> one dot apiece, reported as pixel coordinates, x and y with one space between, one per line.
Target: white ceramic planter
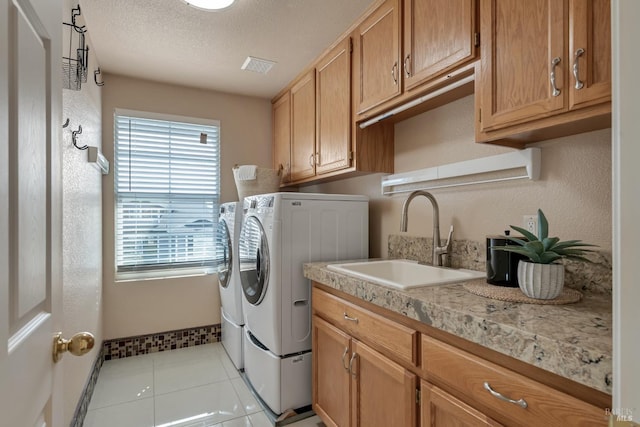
540 281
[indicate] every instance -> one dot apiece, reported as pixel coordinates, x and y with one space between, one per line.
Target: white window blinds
167 184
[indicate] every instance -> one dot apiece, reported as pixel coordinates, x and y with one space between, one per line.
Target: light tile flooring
191 387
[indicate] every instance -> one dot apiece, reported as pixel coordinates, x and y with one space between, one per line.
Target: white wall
82 227
626 207
149 306
574 189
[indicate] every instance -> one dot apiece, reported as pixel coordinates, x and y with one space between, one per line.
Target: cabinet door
520 41
333 109
440 409
383 392
282 135
590 52
303 127
331 378
377 57
438 36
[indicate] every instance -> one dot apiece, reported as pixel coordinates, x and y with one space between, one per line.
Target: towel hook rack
66 123
74 138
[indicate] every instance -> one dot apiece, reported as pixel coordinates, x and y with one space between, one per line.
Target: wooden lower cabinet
354 385
331 377
383 393
440 409
364 375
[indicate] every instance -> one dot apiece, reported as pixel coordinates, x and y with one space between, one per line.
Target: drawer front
532 403
379 332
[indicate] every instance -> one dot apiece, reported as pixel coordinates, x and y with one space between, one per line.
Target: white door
30 211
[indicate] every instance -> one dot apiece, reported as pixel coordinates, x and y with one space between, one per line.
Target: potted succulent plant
542 277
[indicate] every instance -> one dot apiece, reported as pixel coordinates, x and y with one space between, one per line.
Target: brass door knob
79 344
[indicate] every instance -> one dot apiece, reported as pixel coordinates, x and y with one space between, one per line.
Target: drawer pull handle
349 318
344 363
521 402
353 374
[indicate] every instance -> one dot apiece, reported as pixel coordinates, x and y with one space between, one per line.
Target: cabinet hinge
476 39
350 155
480 115
418 396
350 45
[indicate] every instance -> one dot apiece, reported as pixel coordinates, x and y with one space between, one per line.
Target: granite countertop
573 340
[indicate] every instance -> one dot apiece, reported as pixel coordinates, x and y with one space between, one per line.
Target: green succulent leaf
526 233
536 246
543 225
543 249
549 242
518 241
549 257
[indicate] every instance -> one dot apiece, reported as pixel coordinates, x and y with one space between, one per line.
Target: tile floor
191 387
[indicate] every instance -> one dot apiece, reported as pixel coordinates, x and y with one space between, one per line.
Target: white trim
625 14
165 117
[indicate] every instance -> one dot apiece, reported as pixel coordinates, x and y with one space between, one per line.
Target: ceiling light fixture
209 4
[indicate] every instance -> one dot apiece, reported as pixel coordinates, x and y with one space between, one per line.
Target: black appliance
502 266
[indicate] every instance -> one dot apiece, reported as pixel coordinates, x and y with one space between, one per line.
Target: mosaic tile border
85 398
162 341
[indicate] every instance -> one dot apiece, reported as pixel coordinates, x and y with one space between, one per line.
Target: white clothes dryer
232 318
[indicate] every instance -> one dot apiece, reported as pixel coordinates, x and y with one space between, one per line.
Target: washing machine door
254 260
225 249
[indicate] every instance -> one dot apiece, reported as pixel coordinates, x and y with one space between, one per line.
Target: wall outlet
530 223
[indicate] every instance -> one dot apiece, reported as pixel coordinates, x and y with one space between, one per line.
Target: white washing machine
228 233
281 232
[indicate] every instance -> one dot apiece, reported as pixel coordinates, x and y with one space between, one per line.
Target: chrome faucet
439 252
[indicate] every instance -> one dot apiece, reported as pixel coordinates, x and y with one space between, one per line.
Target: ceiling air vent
257 65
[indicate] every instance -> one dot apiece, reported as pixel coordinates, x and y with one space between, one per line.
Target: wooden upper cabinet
333 109
439 35
523 58
282 135
303 127
590 52
377 60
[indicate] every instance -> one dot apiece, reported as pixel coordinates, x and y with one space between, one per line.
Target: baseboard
85 397
138 345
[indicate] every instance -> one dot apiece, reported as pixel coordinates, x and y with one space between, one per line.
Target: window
167 185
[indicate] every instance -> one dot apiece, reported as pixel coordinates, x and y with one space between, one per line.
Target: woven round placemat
568 295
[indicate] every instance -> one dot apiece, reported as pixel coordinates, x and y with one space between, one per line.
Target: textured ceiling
169 41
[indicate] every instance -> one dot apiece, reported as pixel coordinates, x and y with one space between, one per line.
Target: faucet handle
449 239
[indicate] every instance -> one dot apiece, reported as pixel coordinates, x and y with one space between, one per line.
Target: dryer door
254 260
225 249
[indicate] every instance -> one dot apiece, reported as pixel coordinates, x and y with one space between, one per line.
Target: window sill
138 276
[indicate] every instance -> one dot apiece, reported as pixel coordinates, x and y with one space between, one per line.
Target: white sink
404 274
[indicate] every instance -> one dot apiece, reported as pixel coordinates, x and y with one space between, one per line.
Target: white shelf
521 164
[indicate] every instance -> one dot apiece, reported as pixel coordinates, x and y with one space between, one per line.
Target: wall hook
75 12
74 138
96 73
66 123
